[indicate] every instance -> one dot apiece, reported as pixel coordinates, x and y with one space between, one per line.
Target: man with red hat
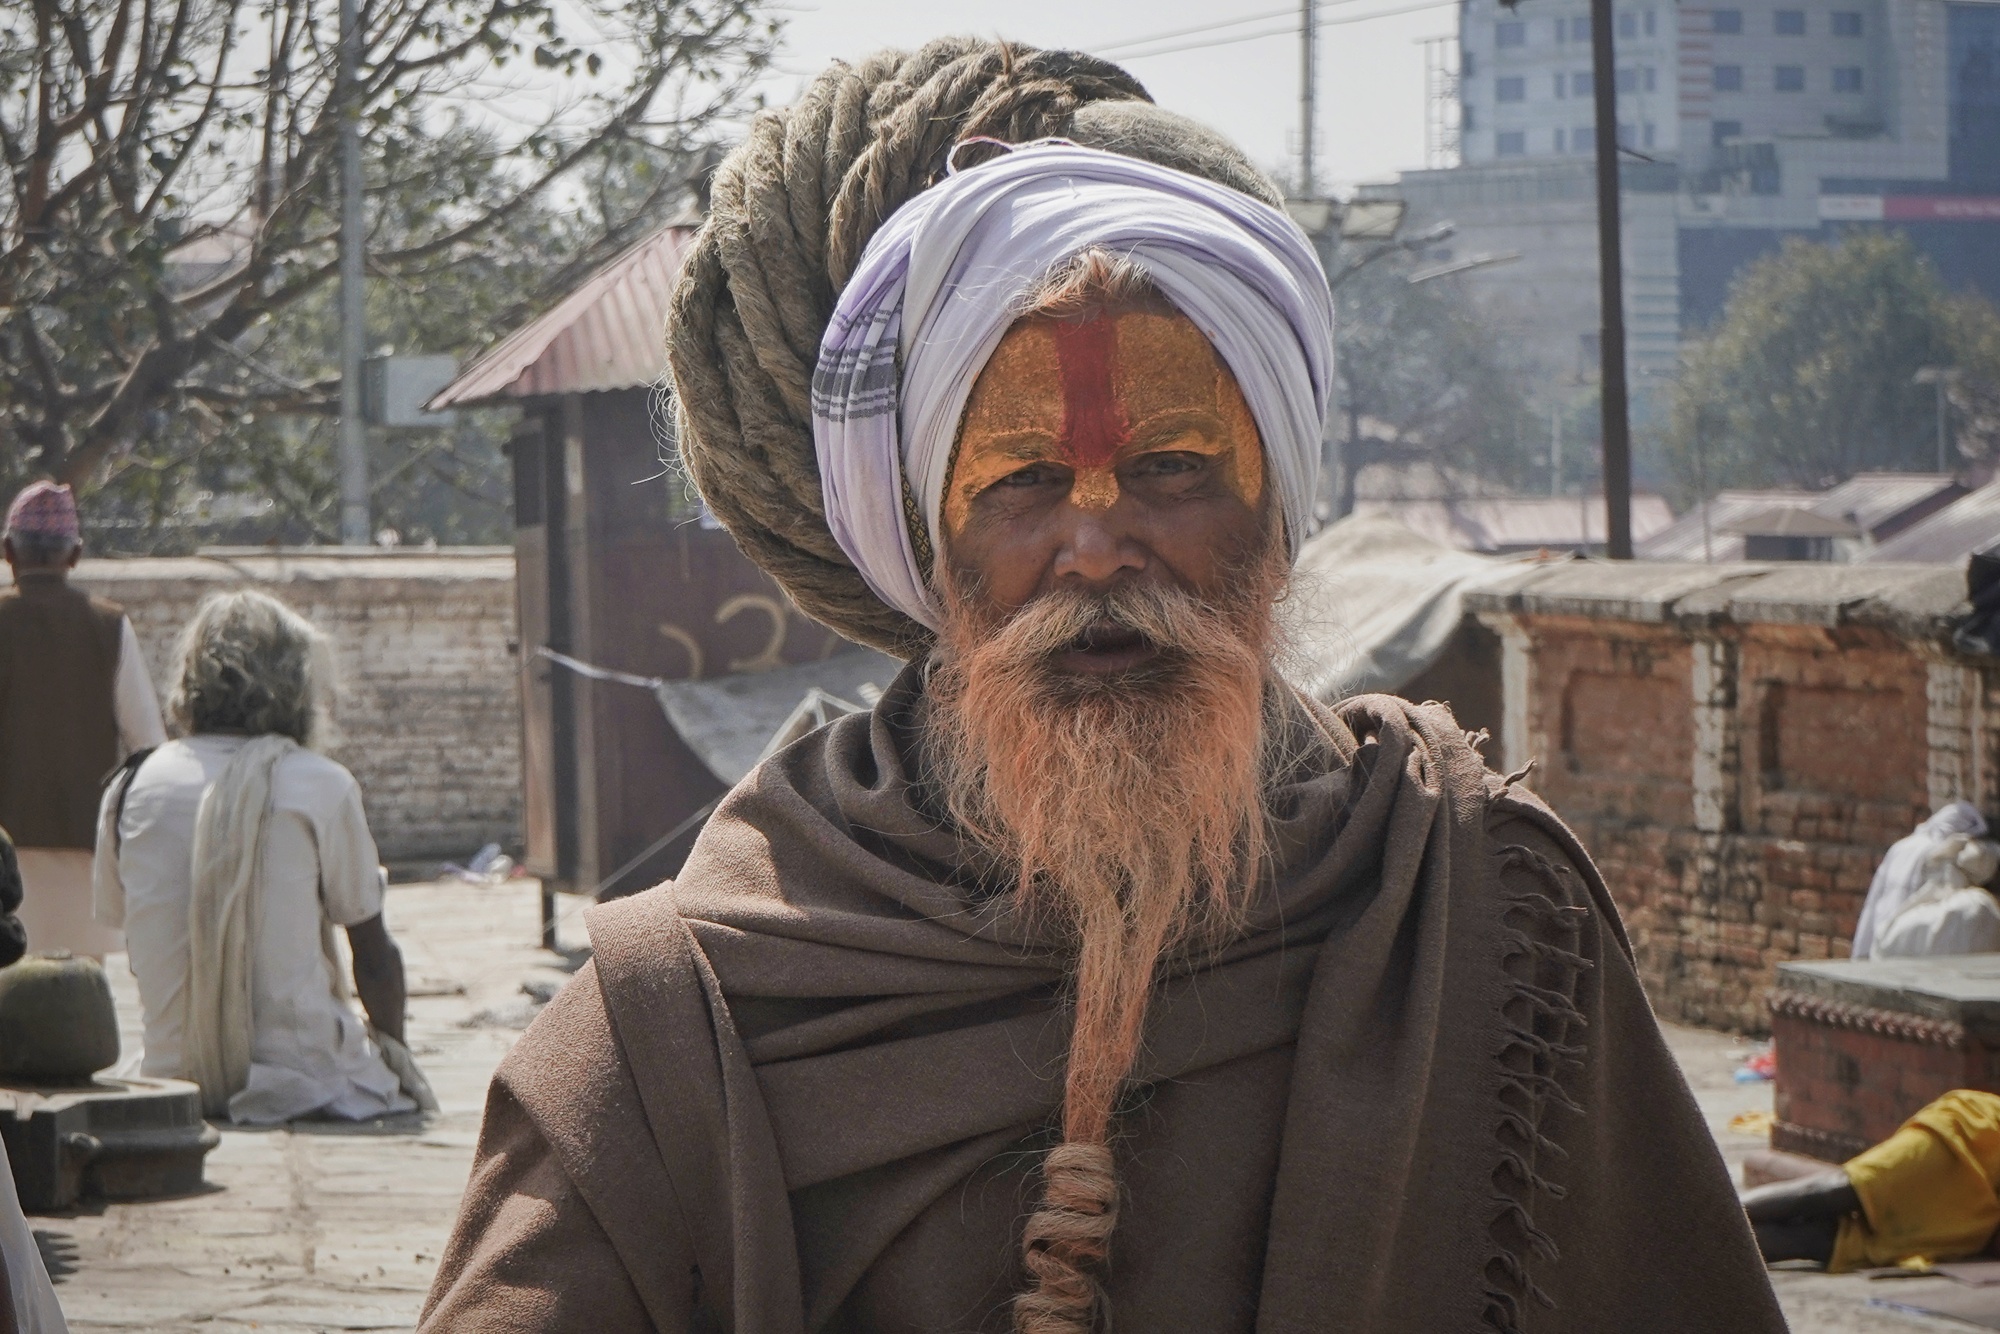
74 698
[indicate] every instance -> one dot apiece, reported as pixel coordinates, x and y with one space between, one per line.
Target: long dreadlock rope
792 209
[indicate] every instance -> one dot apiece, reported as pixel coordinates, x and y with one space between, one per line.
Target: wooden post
1611 291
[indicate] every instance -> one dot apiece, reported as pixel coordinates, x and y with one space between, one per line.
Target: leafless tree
171 166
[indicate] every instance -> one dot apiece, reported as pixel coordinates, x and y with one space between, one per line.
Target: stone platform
1862 1044
112 1139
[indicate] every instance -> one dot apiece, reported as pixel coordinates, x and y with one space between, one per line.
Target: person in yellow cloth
1926 1193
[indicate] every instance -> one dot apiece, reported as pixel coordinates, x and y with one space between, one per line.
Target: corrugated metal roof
607 334
1518 523
1791 521
1970 523
1683 539
1882 504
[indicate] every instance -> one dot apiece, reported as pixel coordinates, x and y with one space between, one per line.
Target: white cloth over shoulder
222 912
309 1051
1902 870
1958 921
943 279
1950 913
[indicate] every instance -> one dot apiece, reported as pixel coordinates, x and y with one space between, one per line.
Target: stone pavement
1814 1302
324 1227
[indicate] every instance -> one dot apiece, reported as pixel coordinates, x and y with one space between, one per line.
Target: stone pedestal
1861 1045
112 1139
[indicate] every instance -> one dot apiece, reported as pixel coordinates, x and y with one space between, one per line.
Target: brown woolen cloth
806 1086
58 713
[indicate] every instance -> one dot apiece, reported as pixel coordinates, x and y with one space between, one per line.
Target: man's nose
1096 547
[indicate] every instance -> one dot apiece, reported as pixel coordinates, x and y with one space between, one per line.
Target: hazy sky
1371 84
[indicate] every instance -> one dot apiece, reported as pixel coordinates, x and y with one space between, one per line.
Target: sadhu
1095 977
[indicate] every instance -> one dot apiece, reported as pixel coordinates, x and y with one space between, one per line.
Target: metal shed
618 567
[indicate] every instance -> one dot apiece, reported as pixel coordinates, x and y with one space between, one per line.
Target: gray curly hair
248 663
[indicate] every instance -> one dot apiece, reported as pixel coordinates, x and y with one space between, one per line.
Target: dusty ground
1815 1303
322 1227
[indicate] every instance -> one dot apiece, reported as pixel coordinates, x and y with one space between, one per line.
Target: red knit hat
44 509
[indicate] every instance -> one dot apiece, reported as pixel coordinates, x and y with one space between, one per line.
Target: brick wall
427 714
1737 745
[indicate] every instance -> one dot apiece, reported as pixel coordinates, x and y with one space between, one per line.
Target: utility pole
1941 377
1611 291
1555 450
354 524
1701 483
1308 94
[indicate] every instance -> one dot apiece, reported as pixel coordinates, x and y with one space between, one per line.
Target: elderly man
1096 979
74 698
228 856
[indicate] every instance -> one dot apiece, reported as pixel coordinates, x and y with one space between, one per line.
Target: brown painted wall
618 570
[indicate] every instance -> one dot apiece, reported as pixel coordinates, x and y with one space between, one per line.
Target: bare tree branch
169 172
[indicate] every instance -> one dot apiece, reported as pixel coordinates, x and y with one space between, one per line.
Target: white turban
944 279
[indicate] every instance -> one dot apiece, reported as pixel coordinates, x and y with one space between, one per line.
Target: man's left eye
1167 463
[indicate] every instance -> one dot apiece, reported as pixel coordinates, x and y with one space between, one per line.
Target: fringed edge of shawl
1541 933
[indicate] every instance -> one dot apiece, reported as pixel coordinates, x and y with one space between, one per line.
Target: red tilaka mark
1094 424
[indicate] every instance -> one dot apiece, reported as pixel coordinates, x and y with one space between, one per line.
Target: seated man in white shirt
228 856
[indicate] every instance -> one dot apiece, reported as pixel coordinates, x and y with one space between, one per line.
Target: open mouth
1105 648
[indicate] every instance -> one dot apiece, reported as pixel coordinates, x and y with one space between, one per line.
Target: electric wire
1171 33
1290 11
1122 51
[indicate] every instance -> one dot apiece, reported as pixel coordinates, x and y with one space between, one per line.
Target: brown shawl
825 1027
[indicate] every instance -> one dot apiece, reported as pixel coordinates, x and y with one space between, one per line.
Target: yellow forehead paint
1091 394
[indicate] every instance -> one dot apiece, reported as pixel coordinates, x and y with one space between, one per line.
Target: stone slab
1918 601
1964 990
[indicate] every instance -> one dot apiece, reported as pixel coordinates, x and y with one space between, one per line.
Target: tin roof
607 334
1518 523
1791 521
1684 540
1970 523
1883 504
1880 504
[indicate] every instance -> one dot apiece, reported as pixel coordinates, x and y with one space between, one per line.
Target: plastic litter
1759 1066
489 866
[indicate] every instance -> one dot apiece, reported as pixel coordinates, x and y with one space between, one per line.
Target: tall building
1745 123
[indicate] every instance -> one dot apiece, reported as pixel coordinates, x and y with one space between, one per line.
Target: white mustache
1054 622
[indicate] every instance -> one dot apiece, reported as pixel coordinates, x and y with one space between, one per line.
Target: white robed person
229 856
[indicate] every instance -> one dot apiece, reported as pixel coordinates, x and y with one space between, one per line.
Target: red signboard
1941 208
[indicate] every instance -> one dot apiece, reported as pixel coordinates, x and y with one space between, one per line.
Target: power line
1126 43
1171 33
1288 31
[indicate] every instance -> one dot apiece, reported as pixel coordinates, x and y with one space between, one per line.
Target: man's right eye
1035 474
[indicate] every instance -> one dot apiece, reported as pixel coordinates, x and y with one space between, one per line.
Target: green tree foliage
1809 377
1425 378
167 245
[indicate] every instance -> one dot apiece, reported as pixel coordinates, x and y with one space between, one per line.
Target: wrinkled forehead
1152 359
